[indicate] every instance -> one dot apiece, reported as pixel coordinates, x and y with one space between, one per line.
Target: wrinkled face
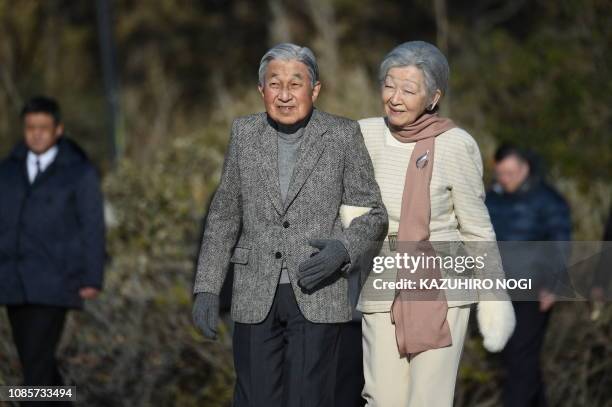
404 95
287 91
41 132
511 172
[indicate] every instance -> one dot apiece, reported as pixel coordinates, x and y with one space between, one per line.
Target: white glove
496 321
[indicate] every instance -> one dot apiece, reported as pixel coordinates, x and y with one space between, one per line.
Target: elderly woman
430 176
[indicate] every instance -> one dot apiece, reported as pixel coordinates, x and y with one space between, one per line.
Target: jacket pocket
241 255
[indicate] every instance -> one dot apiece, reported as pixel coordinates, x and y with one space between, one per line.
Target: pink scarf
419 315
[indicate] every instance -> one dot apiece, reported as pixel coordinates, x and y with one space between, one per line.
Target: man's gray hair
423 55
288 52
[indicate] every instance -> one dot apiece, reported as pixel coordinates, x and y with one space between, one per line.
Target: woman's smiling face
405 96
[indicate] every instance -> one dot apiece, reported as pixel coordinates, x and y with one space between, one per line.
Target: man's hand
597 294
325 263
597 302
547 299
88 293
205 314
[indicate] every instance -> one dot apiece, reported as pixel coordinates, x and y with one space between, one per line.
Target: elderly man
275 216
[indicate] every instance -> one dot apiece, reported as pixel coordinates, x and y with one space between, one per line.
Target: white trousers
426 380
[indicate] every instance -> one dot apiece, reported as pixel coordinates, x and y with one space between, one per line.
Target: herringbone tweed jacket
248 224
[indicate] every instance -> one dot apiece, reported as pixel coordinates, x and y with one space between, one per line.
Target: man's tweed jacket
249 226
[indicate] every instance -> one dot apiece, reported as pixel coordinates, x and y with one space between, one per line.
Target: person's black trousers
37 330
523 385
349 376
286 360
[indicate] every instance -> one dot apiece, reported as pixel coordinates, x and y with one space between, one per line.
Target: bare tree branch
508 9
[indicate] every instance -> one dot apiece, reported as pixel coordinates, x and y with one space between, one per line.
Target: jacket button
286 224
278 255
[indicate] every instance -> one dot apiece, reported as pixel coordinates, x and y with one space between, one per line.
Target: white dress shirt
45 159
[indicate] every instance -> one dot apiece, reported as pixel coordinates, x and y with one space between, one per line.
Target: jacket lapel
52 168
45 174
268 160
308 155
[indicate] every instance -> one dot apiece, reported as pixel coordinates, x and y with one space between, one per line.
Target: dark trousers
286 360
523 385
37 330
349 376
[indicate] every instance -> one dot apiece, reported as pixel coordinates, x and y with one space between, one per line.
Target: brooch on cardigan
422 161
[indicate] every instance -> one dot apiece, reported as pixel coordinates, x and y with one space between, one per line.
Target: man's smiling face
287 91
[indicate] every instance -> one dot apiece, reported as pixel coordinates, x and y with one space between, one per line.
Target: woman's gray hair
288 52
423 55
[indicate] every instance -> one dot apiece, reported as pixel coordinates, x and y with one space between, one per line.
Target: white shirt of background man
45 159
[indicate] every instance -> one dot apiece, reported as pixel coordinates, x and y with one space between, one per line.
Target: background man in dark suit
51 237
524 208
600 289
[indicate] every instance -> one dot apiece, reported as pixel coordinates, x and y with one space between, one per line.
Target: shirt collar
45 158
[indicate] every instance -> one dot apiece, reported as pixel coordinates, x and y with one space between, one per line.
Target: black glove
331 257
205 314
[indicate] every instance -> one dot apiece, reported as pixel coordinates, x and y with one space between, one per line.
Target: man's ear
59 130
315 91
261 90
526 169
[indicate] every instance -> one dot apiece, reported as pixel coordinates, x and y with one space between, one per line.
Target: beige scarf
419 315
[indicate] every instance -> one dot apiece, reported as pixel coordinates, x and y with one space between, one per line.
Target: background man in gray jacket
275 216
